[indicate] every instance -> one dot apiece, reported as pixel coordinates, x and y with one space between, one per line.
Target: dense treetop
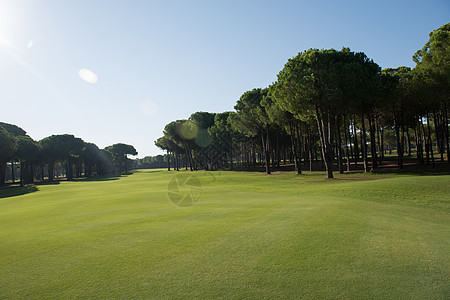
328 107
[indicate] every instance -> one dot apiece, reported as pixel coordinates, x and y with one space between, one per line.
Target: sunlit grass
249 236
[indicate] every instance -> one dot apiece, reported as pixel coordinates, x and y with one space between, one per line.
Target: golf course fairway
231 235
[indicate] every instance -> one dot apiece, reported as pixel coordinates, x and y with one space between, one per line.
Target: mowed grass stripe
250 235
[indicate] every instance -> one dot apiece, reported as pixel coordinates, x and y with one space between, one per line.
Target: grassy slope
250 235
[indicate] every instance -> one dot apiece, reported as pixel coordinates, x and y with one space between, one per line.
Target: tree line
333 109
57 155
150 162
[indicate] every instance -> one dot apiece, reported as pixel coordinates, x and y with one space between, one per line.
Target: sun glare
8 22
88 76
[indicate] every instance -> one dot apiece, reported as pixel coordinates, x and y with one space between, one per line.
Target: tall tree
395 85
8 148
223 135
433 63
120 154
252 120
64 148
28 154
286 120
320 83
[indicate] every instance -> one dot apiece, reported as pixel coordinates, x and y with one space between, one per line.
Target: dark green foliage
327 84
328 108
8 147
119 153
62 154
151 162
64 148
13 129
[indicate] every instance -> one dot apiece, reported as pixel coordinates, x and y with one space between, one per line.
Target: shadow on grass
413 167
98 178
13 191
389 166
150 170
109 177
55 182
262 169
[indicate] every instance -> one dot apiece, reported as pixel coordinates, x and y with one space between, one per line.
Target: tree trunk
325 138
2 173
439 136
13 176
189 155
408 138
168 160
373 145
42 172
347 142
339 145
418 142
364 144
266 149
427 146
69 169
51 166
294 153
445 127
31 173
277 150
294 149
379 141
253 158
21 173
355 143
310 149
399 141
230 146
299 148
430 143
348 130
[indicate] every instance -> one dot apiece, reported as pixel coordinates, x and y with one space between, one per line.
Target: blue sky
158 61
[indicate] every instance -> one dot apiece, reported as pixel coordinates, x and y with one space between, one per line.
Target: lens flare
203 139
88 76
188 130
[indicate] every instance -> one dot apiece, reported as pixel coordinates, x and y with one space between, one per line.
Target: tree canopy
329 108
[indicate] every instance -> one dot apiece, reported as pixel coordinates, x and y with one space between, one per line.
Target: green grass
249 236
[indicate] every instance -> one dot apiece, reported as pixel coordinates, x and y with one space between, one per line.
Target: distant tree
8 148
105 162
179 136
50 154
17 132
202 142
120 154
13 129
28 154
394 84
284 119
252 120
64 148
150 162
94 161
164 143
223 134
